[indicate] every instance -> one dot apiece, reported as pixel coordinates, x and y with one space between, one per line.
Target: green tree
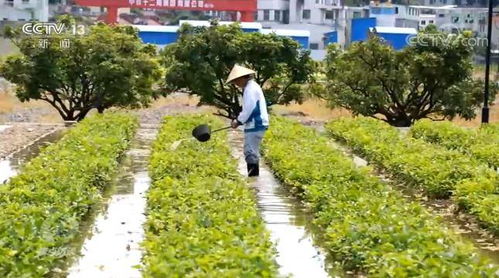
200 61
431 78
108 66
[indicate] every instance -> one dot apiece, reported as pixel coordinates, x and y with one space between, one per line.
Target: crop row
202 219
482 143
43 206
440 172
366 225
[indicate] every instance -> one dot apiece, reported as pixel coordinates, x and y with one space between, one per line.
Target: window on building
441 15
266 14
285 16
430 22
329 15
25 1
356 14
396 10
5 19
455 19
423 22
277 15
306 14
9 3
314 46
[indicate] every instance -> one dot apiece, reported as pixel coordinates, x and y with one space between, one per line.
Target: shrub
440 172
365 224
43 206
202 220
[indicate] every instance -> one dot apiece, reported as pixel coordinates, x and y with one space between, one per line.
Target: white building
273 10
474 19
448 18
24 10
316 16
440 2
322 12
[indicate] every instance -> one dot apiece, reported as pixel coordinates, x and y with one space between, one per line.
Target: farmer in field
254 115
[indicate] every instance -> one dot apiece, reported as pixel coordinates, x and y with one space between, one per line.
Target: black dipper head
202 133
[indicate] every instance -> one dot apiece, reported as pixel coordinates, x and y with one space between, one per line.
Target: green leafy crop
367 226
43 206
440 172
202 219
482 143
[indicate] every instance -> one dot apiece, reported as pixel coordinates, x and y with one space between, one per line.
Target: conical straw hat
238 71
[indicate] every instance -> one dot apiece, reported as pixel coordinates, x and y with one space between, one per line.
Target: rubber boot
253 170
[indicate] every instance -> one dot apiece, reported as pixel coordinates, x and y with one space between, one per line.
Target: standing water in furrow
112 250
10 165
286 219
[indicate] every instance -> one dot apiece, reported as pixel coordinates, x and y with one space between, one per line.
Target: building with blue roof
157 34
164 35
397 37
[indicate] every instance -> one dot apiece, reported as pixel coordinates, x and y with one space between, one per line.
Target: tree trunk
403 121
66 114
82 114
69 116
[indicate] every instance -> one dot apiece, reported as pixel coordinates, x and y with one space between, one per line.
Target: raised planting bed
43 206
440 172
367 226
202 219
481 143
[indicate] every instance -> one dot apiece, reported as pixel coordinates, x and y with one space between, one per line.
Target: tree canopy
107 66
200 61
431 78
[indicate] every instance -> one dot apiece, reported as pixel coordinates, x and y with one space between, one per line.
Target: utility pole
485 108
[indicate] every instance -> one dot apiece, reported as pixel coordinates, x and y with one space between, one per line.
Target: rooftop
393 30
